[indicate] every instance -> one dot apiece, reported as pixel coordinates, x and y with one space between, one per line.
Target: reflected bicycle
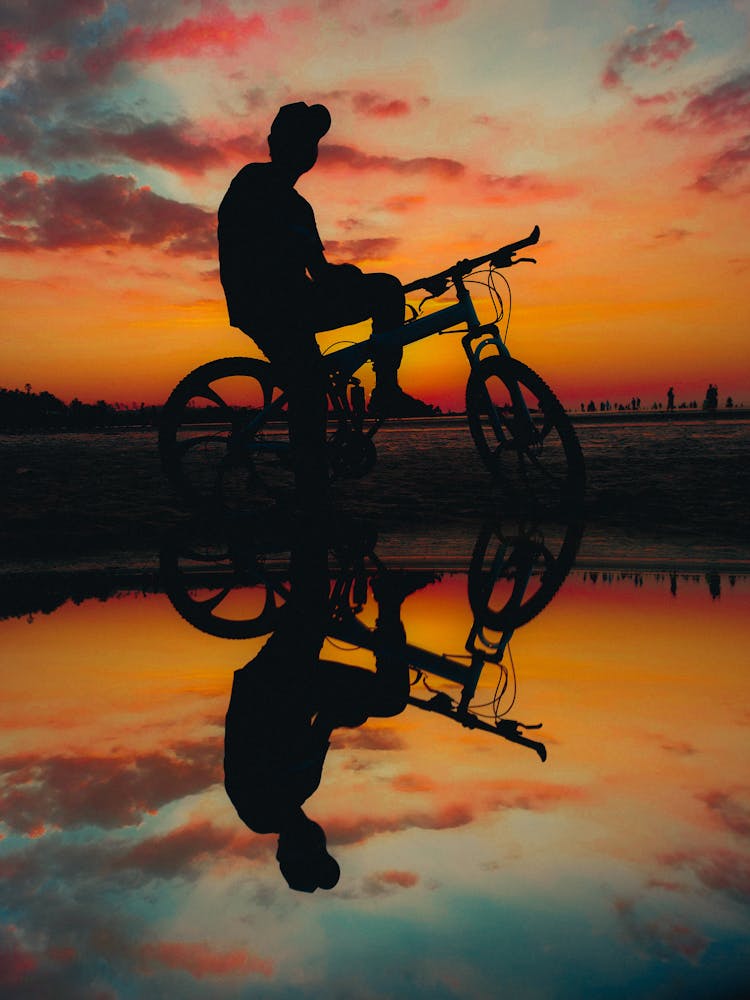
227 582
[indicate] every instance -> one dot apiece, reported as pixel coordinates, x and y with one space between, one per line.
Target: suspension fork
489 336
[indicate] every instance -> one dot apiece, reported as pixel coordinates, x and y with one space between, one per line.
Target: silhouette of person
280 289
711 401
286 702
670 398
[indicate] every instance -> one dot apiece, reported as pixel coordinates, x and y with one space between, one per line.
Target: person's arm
322 270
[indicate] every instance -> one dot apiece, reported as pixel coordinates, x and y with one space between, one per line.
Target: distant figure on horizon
670 398
711 401
281 291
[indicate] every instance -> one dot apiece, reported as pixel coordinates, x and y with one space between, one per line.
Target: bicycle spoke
522 433
207 392
183 446
237 462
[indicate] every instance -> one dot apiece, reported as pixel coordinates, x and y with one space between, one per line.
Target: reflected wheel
537 457
212 446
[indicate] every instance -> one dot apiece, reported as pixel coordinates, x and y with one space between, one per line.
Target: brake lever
436 287
509 262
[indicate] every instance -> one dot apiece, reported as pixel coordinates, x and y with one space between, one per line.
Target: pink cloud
374 248
725 167
200 960
11 45
217 31
404 203
16 963
105 210
166 855
668 97
108 791
347 829
376 106
413 783
721 870
521 188
332 156
167 146
428 12
380 883
367 738
392 877
485 798
730 809
171 145
650 47
530 795
661 938
720 108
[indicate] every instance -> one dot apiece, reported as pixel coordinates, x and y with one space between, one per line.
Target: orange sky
457 126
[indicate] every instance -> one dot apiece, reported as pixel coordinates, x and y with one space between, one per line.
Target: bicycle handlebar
437 283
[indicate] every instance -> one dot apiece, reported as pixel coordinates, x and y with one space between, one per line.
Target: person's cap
301 121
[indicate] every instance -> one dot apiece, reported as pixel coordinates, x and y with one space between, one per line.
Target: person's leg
295 356
350 297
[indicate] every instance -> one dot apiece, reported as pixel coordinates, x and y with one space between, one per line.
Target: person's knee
385 288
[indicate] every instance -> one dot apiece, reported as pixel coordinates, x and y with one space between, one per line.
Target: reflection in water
621 861
287 701
712 579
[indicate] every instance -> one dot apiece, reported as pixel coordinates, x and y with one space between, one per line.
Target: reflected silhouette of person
286 702
280 289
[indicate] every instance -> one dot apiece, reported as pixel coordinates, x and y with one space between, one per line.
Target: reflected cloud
199 960
65 792
721 869
731 808
659 937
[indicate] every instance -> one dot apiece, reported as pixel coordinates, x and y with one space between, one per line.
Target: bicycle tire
224 464
546 467
529 596
202 576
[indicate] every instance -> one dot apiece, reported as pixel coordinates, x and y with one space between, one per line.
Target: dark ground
662 493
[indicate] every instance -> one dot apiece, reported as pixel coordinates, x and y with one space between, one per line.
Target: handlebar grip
436 284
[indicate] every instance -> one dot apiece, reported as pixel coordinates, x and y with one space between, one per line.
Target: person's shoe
394 402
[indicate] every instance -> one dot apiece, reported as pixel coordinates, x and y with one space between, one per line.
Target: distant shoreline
438 420
659 416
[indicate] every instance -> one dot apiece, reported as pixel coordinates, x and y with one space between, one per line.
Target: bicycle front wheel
219 443
523 435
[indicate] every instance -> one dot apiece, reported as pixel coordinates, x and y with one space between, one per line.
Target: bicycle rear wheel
538 461
214 447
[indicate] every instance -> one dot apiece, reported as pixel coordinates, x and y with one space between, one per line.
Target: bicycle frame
347 360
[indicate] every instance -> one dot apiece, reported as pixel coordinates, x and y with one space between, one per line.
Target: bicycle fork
522 426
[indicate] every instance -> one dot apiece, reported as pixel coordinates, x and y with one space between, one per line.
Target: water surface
470 867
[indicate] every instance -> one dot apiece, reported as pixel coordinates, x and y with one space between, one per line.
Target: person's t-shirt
267 236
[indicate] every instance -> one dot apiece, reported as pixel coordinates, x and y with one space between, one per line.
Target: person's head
295 133
303 859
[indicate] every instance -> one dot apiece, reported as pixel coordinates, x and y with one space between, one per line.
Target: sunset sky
622 129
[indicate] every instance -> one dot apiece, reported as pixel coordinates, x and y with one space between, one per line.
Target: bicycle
240 450
232 581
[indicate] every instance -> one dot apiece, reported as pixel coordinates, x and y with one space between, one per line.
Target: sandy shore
656 495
